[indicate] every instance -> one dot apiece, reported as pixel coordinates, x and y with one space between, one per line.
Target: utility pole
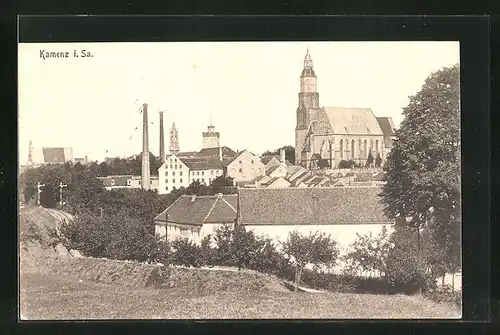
39 191
61 186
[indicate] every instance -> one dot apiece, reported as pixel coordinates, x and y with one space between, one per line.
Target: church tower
30 154
308 99
210 137
174 140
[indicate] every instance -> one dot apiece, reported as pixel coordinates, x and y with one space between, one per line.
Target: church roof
310 206
53 155
197 210
387 125
355 121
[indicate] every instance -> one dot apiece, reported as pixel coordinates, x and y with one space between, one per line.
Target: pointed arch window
352 149
341 149
376 147
365 149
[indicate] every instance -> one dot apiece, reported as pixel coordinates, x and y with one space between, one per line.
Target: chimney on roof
220 154
282 155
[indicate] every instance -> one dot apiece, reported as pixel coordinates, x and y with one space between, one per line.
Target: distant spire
308 63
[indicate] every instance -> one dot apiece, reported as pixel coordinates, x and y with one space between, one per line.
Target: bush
346 164
445 294
185 252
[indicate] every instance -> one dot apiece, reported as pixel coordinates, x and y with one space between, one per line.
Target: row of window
173 173
361 145
252 170
201 181
250 162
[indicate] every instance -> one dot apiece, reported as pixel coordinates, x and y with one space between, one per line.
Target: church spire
308 63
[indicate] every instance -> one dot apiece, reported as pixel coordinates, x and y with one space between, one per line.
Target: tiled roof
214 152
204 209
387 125
304 206
119 180
266 159
353 121
187 154
272 169
207 164
291 169
53 155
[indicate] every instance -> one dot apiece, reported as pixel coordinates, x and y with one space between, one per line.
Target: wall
172 169
193 233
246 170
205 176
279 183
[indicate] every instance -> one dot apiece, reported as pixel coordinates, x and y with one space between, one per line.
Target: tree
369 159
224 185
197 188
243 246
316 248
378 161
369 253
289 153
423 168
346 164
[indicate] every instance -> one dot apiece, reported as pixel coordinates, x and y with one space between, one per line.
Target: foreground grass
51 297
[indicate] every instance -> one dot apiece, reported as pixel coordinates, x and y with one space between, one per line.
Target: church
335 134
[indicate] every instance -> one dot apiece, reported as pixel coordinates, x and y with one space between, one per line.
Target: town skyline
92 104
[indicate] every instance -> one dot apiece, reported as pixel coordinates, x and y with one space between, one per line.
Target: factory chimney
162 140
145 149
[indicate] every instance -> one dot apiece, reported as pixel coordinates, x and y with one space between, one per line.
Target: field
50 297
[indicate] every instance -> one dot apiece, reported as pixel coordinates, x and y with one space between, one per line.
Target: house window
173 173
212 172
202 173
192 172
209 180
252 161
180 173
175 160
166 174
241 170
166 188
170 166
175 167
197 173
173 181
240 162
180 180
203 180
166 181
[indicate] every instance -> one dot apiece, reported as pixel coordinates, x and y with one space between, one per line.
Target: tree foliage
323 163
289 153
423 168
369 159
378 161
343 164
316 249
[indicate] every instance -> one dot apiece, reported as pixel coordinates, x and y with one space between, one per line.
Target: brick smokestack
162 139
145 149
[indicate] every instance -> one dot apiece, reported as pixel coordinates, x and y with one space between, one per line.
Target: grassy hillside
53 297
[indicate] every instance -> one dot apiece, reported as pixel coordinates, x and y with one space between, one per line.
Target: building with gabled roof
195 217
341 212
245 167
275 212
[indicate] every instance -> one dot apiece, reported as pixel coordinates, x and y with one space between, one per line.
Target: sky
250 89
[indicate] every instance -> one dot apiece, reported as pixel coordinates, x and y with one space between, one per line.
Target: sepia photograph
240 180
